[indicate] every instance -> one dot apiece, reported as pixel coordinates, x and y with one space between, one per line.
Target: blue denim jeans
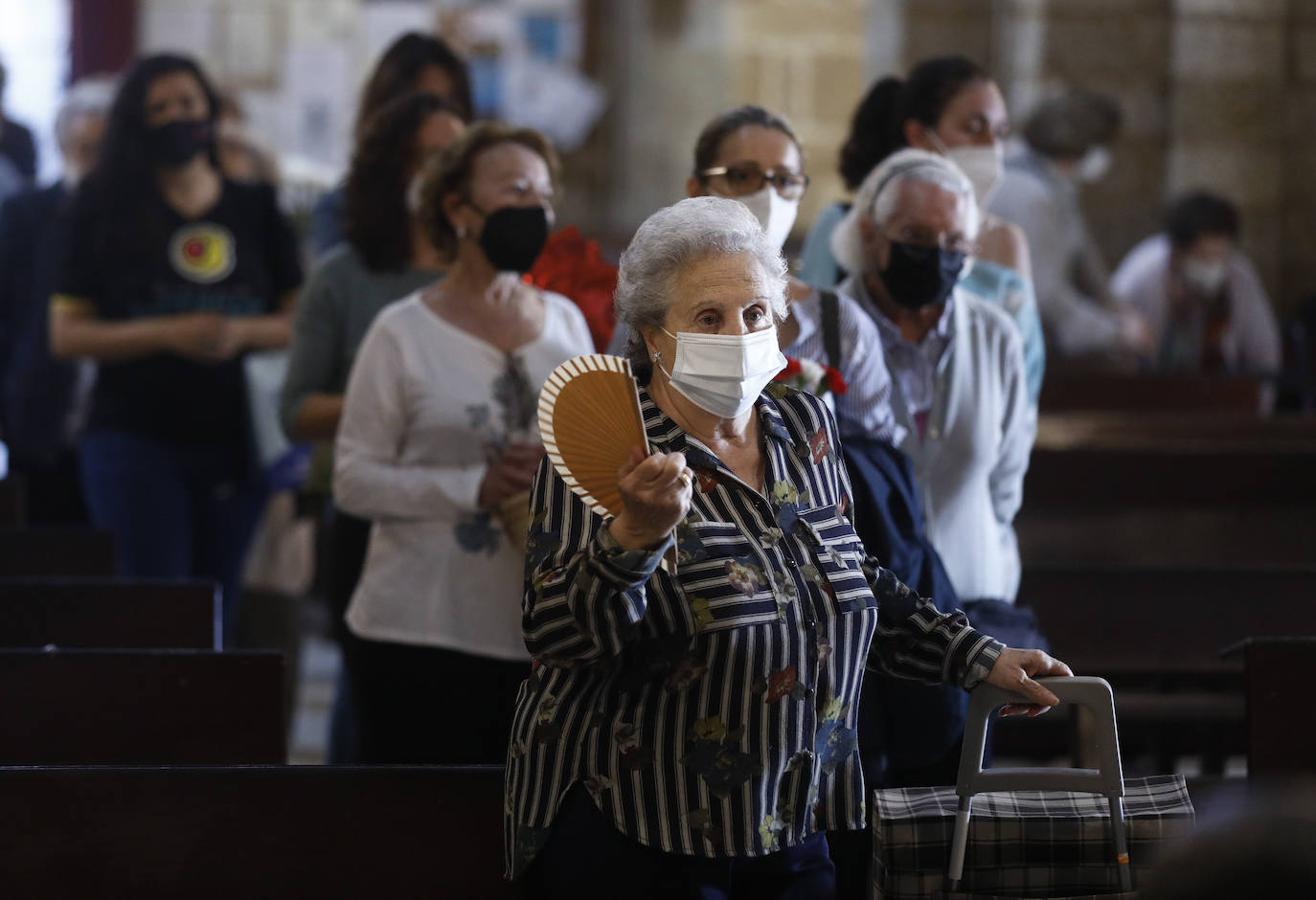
175 511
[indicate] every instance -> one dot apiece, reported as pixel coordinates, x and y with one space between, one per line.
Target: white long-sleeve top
427 404
972 452
1069 275
1251 344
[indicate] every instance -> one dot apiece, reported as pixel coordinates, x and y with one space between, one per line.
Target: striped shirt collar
941 332
664 433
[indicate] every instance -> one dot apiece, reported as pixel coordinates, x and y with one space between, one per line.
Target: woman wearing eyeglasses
751 155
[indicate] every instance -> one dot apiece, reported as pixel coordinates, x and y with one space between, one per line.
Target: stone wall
805 61
1297 153
1216 93
1228 79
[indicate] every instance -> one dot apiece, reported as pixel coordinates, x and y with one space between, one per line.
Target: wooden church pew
1179 431
94 613
1281 718
13 505
292 831
50 552
1157 634
1175 505
1134 621
1151 394
175 707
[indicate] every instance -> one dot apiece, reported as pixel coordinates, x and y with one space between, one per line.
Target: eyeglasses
749 178
921 238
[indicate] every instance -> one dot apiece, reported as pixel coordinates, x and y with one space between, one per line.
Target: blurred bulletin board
525 58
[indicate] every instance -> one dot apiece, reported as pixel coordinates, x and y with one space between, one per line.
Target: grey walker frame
1092 693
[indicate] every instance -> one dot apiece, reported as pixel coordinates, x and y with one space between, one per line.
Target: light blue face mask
724 373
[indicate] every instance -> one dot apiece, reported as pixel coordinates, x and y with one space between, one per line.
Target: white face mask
724 373
1093 166
984 166
1204 276
775 213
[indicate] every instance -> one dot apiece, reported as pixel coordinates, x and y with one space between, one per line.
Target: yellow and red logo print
202 252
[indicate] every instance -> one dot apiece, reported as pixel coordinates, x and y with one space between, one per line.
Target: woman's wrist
629 537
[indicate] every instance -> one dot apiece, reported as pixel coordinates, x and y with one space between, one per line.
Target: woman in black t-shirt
170 275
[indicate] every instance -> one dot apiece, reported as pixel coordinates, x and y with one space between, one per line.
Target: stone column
1120 48
805 61
1298 157
1228 79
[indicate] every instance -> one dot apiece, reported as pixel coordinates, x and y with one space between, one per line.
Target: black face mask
918 276
179 142
513 237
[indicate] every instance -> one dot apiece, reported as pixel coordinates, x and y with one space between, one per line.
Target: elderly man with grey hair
689 727
956 363
43 401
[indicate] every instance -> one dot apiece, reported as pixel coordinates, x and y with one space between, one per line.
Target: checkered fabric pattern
1021 843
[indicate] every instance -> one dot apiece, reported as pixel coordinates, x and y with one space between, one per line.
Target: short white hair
672 239
87 97
878 197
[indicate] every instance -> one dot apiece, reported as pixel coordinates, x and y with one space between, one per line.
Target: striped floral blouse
710 710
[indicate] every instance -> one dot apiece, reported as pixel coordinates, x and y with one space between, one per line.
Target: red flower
792 369
835 382
573 266
831 378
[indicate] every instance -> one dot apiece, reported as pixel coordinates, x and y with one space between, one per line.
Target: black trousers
346 540
54 490
585 856
425 705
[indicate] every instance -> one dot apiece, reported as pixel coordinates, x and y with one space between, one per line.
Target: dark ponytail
874 132
878 127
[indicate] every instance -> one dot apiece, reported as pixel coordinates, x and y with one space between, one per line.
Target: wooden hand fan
590 420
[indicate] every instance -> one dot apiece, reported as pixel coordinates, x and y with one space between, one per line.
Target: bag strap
831 327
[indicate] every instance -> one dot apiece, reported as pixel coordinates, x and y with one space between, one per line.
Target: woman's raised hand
655 495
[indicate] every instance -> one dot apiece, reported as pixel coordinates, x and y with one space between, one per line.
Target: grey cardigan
970 467
337 306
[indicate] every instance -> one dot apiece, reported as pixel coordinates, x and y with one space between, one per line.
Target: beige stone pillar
1228 79
805 61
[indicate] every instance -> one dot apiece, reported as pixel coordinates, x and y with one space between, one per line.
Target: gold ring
686 478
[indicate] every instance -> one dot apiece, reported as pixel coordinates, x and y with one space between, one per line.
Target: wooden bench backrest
102 614
182 707
296 831
1170 621
52 552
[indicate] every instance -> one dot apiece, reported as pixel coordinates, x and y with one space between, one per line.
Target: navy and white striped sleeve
584 594
916 640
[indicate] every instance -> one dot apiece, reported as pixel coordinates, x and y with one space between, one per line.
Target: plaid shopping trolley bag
1033 832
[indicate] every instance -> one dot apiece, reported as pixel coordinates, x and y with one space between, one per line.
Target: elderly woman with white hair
689 727
956 362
